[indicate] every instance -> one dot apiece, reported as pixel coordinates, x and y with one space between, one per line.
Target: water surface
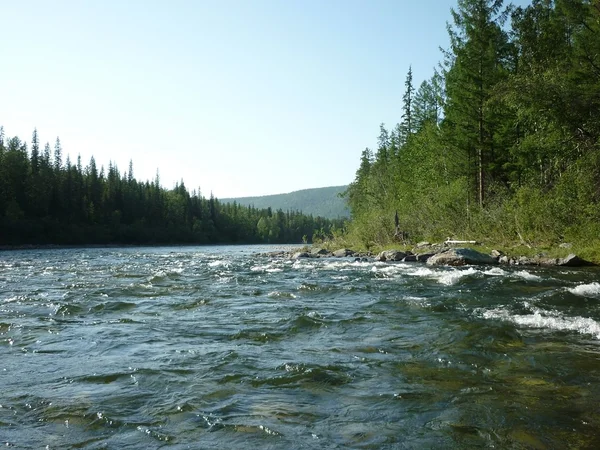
215 347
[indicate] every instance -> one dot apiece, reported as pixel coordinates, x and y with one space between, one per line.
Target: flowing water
215 347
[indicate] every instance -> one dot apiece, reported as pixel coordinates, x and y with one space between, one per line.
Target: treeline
502 142
45 200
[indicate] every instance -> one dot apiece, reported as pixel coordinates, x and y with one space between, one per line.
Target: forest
501 144
45 200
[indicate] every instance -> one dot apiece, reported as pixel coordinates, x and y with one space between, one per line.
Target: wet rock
573 261
318 251
549 262
391 255
275 254
361 259
410 258
460 257
343 252
299 255
505 260
424 257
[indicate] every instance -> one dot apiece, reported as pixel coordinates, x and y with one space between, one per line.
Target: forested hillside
45 200
324 202
502 142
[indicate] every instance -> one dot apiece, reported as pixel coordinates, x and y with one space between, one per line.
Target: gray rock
391 255
343 252
298 255
460 257
573 261
524 261
318 251
275 254
424 257
423 244
549 262
504 260
361 259
410 258
496 253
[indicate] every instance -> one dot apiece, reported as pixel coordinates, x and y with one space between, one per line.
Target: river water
215 347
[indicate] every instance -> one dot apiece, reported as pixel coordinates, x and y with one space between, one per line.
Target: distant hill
324 202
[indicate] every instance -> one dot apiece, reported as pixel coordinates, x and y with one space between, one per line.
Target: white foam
452 277
495 272
279 294
422 272
527 276
217 263
551 320
586 290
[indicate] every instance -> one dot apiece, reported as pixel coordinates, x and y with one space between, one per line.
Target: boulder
496 254
298 255
318 251
423 257
460 257
391 255
343 252
505 260
573 261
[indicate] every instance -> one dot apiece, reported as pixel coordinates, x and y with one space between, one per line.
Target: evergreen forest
45 200
501 144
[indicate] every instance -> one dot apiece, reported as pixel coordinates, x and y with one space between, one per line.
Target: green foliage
44 200
504 144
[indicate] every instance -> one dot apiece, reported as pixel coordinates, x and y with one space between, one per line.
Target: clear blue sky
234 97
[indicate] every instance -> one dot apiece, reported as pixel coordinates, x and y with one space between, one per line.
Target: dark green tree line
45 200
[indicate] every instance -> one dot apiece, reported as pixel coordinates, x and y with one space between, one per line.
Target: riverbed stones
391 255
460 257
299 255
316 251
343 252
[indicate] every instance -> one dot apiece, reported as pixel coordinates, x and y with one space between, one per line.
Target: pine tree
406 126
475 66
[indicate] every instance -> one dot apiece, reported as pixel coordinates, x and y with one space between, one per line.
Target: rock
505 260
566 245
423 257
318 251
496 254
573 261
549 262
275 254
460 257
298 255
410 258
524 261
361 259
343 252
423 244
390 255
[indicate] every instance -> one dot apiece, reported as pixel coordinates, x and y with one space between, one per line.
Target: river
216 347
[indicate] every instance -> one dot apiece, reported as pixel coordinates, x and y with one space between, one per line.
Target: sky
238 98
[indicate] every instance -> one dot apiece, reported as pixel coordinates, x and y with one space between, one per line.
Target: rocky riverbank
435 254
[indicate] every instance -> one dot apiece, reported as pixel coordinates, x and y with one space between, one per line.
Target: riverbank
452 253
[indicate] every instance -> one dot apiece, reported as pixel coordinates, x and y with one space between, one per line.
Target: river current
216 347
